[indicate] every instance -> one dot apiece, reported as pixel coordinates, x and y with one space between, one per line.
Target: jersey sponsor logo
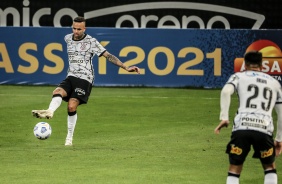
235 150
77 61
34 17
272 58
254 122
266 153
253 125
78 72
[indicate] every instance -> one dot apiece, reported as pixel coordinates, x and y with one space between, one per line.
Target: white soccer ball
42 130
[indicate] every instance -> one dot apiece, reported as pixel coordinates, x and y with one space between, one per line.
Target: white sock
55 103
270 178
71 125
232 179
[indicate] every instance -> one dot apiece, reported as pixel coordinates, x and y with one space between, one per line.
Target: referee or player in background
258 94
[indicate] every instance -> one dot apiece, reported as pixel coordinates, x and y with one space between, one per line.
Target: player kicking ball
76 88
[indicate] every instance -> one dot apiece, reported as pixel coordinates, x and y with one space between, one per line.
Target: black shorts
76 88
241 142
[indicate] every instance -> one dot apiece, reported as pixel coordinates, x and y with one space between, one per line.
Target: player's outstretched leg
48 114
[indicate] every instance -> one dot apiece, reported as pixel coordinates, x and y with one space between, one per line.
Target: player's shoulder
68 37
237 75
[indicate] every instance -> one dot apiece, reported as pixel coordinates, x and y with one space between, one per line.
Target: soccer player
258 94
76 87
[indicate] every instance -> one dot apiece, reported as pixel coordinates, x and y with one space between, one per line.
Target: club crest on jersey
83 46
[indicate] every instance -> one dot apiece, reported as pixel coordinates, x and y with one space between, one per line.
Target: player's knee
56 91
59 91
73 104
268 166
71 108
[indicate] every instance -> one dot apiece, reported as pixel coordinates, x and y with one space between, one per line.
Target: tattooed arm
113 59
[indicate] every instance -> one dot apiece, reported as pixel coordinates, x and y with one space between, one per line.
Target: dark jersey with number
258 93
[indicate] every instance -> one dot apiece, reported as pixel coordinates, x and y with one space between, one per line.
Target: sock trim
234 175
270 171
57 95
72 113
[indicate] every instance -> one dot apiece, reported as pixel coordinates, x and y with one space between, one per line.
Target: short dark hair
253 58
79 19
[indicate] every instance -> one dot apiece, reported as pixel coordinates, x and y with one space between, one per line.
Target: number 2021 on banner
183 69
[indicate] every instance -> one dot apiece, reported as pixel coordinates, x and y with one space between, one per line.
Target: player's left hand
134 69
223 123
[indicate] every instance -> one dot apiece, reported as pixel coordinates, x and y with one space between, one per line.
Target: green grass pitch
123 136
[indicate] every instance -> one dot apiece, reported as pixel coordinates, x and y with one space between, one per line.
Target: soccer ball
42 130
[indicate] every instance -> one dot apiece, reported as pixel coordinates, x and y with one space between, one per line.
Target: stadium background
191 56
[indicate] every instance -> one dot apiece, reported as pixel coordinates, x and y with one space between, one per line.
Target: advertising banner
199 14
166 57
